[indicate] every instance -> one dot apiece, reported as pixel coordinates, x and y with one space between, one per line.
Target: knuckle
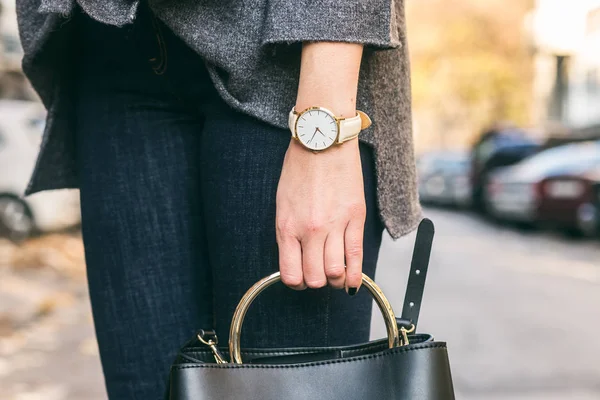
285 226
315 283
354 250
315 226
291 280
335 271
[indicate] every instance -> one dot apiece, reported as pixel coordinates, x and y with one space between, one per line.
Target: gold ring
244 304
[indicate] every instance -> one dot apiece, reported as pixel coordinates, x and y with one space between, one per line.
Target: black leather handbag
406 365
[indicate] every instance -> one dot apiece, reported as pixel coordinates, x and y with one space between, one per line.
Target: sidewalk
48 350
47 345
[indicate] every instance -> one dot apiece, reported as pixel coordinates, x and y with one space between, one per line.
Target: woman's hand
320 217
320 198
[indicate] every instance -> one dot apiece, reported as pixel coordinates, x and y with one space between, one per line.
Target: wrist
323 91
342 107
329 77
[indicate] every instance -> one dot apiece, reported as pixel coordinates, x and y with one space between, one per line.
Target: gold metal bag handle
244 304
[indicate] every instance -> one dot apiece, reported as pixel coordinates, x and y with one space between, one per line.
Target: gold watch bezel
326 110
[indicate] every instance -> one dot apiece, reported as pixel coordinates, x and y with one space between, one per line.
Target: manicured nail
352 291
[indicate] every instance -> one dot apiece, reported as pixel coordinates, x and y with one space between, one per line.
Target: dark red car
570 201
554 187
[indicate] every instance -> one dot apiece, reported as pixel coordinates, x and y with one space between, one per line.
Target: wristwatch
317 128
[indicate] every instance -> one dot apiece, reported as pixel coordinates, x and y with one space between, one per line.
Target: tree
470 67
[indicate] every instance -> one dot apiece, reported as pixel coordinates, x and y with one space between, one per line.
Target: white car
444 178
21 126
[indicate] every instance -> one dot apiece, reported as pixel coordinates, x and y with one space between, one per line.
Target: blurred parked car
568 200
554 187
495 149
21 126
444 178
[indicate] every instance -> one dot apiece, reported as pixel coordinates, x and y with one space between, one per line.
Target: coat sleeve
370 22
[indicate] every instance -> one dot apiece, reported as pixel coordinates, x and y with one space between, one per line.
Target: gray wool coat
245 44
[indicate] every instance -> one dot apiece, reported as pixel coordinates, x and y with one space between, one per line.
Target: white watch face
316 129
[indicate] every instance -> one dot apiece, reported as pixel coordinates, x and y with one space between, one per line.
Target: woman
172 119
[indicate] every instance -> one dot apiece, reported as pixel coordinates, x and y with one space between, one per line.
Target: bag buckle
209 338
404 332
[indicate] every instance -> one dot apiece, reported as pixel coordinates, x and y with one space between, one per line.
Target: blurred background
507 131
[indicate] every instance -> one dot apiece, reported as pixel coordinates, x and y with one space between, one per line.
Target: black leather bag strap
418 274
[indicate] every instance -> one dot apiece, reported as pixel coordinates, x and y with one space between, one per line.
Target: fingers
335 270
312 262
353 242
290 262
315 262
318 261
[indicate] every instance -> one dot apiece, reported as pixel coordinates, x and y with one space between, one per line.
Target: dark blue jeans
178 207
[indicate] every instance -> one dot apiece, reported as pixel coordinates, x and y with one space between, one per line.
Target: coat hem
400 230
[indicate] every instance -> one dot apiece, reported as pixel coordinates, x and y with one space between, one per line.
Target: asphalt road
519 311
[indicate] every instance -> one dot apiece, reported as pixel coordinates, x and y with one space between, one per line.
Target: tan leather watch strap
351 127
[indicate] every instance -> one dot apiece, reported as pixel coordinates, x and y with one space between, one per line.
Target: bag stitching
300 351
291 353
313 364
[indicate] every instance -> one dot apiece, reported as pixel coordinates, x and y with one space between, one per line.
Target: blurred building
13 84
565 37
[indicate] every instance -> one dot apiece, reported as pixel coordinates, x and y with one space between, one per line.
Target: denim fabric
178 208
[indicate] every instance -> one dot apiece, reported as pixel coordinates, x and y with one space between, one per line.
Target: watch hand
320 132
313 136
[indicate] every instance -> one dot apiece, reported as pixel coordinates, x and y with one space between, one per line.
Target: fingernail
352 291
